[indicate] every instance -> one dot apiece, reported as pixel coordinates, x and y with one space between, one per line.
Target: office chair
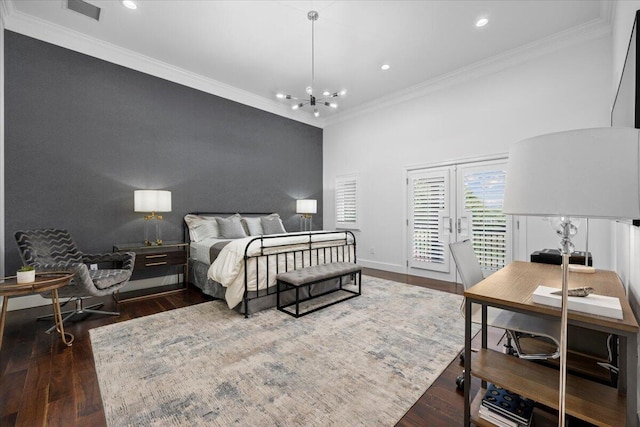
516 325
55 250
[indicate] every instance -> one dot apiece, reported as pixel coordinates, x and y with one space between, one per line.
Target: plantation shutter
347 202
429 221
486 224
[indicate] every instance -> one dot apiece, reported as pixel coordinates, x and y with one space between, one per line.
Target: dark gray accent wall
82 134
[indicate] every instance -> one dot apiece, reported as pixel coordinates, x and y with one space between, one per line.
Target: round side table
46 281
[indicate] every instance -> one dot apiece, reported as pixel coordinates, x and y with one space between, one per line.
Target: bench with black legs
297 279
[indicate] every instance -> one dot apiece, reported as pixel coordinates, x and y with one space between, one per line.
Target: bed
236 257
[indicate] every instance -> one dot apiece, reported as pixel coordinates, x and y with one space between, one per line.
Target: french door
453 203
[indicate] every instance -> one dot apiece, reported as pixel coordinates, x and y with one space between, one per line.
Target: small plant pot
26 276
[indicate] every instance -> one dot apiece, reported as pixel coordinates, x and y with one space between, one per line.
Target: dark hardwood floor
43 382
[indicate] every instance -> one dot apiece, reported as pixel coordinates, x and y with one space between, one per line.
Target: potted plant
26 274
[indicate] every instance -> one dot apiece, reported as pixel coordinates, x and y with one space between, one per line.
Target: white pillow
201 227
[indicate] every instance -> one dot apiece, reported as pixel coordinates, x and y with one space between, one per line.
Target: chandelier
312 101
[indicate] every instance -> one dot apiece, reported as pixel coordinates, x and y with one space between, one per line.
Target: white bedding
228 267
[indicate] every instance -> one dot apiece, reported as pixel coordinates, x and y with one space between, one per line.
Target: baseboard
30 301
394 268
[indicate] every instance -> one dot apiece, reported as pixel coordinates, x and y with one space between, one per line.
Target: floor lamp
586 173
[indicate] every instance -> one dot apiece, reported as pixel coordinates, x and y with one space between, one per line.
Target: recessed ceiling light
129 4
482 22
385 67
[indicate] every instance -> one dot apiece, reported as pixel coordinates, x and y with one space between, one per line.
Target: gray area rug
363 362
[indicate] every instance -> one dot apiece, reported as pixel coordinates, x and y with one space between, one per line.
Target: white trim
52 33
465 160
591 30
385 266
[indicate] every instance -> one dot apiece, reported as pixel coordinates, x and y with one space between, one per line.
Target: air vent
84 8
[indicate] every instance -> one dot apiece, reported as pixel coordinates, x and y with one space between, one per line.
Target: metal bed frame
331 250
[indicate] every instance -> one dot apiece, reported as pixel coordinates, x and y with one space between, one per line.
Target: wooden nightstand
155 256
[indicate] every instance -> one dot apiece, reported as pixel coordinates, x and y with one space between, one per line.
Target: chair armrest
126 258
72 267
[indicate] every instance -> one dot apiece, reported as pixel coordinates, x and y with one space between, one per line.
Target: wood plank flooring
45 383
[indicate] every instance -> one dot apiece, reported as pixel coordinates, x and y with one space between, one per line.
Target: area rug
364 361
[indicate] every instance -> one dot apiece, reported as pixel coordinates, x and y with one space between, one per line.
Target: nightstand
156 256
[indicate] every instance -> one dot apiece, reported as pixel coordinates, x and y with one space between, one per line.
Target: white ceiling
264 47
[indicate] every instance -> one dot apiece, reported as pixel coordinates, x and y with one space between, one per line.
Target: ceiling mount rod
313 17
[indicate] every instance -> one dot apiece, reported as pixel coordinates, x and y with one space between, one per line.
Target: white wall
564 89
627 238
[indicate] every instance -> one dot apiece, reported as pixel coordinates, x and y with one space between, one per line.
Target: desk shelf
586 400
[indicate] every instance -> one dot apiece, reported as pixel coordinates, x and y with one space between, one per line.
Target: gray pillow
253 225
272 225
231 228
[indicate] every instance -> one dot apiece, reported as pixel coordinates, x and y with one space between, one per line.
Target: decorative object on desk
585 173
306 207
576 292
313 102
599 305
506 408
152 201
26 274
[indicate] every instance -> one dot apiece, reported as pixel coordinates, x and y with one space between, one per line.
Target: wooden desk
511 288
49 281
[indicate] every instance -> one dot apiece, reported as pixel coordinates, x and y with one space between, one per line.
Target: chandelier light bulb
333 105
295 107
280 95
316 112
343 92
309 90
326 93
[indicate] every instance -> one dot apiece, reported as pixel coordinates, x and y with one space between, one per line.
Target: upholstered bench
296 279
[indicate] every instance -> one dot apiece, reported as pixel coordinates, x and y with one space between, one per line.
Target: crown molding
592 30
6 8
55 34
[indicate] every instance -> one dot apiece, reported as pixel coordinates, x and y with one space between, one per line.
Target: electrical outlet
93 266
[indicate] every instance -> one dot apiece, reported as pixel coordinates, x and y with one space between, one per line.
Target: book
495 418
510 406
599 305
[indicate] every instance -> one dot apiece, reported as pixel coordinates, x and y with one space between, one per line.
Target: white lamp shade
152 201
581 173
306 206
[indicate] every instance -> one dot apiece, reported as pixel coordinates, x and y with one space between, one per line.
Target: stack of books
505 409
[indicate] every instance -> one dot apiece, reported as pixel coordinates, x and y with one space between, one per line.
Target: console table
511 288
47 281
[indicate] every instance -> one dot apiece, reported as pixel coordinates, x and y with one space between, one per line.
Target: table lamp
586 173
152 201
306 207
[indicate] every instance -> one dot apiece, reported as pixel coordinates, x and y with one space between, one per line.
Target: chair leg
80 309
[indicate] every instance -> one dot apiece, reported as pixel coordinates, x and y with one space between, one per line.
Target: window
487 224
347 202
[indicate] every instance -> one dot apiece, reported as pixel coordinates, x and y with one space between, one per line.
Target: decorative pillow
201 227
231 228
253 226
272 224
